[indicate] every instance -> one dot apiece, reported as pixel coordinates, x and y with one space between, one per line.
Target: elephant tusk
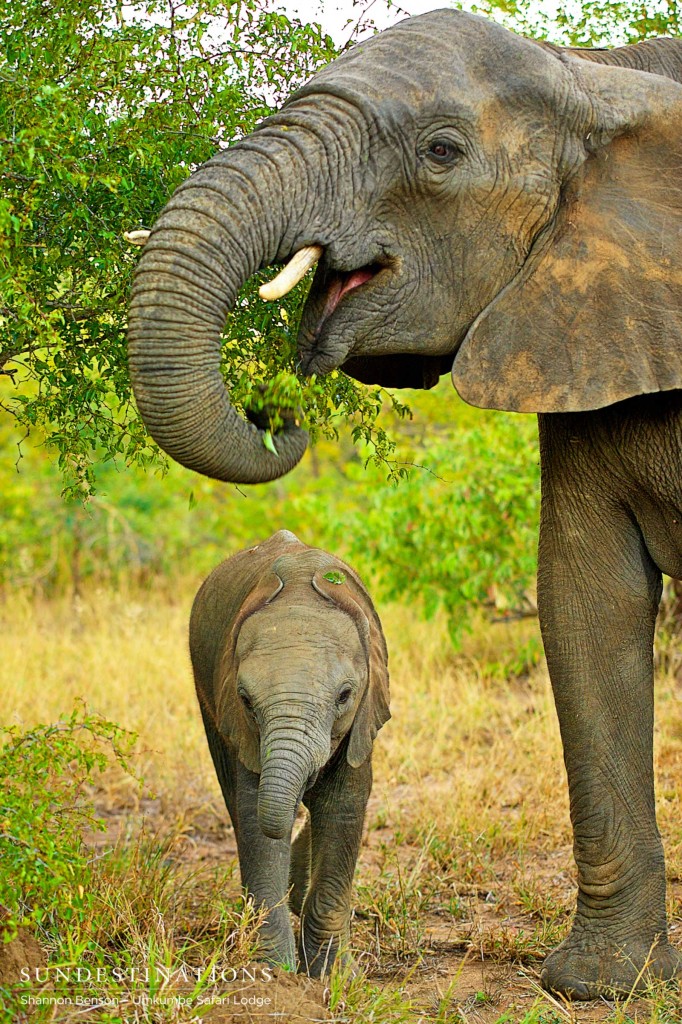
295 270
136 237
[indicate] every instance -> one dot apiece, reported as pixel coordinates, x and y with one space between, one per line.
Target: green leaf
335 577
269 443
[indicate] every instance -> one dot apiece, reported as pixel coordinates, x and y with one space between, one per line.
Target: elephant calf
290 666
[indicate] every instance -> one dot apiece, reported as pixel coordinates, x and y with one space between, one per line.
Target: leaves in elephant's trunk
273 405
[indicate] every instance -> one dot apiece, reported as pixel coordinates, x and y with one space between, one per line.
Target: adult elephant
513 211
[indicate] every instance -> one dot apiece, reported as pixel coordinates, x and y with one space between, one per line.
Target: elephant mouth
343 282
328 302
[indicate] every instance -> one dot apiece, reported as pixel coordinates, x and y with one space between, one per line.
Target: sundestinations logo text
165 975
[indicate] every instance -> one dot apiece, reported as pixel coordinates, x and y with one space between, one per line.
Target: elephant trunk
288 759
244 209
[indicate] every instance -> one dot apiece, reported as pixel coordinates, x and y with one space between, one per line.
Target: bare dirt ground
471 958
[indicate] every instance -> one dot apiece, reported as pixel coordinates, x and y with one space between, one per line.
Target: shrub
45 809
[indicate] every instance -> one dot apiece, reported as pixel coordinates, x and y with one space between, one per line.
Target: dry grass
465 878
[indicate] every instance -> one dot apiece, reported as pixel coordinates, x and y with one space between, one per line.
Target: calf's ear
373 710
595 314
232 716
349 594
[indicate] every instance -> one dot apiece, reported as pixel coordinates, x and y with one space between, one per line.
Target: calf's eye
344 696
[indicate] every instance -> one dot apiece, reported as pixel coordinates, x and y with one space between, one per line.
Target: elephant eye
344 696
443 151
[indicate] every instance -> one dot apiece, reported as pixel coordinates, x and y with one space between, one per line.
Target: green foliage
105 110
459 531
44 810
462 531
271 404
101 917
590 22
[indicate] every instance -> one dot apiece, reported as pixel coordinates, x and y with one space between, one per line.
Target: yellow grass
458 743
467 858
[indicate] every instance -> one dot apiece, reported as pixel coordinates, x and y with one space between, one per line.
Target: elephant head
304 668
481 202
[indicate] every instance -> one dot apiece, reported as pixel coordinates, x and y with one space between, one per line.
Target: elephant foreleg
598 594
299 872
264 865
337 810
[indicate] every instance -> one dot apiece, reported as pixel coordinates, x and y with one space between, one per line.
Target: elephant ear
344 588
595 314
233 721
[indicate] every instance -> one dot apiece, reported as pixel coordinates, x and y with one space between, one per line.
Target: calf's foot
321 946
276 942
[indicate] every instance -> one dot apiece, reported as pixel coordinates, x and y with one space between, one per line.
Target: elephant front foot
276 942
316 959
276 955
318 964
320 948
586 966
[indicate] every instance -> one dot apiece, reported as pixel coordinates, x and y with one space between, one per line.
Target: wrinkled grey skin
291 674
514 211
